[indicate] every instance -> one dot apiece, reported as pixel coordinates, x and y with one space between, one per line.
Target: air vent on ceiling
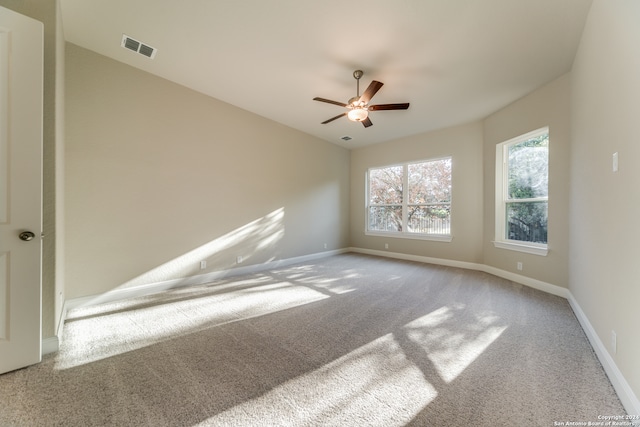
346 138
138 46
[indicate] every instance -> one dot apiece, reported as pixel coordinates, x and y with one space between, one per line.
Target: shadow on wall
252 243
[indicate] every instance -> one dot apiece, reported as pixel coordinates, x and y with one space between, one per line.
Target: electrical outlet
615 161
239 259
203 265
325 246
386 246
519 266
614 342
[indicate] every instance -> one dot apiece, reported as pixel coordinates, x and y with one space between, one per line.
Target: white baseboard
623 389
201 279
50 345
418 258
527 281
532 283
625 393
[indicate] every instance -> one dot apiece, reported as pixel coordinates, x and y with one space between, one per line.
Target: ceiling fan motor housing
355 102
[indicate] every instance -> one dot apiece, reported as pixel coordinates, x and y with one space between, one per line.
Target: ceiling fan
359 105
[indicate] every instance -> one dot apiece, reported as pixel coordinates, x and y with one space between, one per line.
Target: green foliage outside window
426 204
528 180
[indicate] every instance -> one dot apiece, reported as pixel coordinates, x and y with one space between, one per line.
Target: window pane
527 221
528 164
430 182
410 198
435 219
385 218
385 186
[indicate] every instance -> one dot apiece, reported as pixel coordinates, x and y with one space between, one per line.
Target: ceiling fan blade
379 107
371 90
367 122
333 118
341 104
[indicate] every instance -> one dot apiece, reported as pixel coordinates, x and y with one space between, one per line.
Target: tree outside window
528 190
423 209
522 192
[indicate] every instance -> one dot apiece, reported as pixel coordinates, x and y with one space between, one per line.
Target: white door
21 60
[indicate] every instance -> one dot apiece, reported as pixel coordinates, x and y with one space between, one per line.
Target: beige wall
547 106
47 12
464 145
159 177
605 206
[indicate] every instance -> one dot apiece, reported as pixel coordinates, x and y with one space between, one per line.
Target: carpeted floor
349 340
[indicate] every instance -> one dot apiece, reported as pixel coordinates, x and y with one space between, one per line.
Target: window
522 190
423 211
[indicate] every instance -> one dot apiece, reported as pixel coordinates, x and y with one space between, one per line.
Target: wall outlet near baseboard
239 259
519 265
386 246
203 265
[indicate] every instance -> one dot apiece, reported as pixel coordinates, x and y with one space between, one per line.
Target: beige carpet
349 340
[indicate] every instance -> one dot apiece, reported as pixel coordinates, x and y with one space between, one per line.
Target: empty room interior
226 242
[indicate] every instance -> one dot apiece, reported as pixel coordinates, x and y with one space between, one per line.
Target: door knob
26 236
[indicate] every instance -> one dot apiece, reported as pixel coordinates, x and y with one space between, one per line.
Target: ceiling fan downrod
357 74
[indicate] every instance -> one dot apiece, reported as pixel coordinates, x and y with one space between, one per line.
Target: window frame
501 197
405 204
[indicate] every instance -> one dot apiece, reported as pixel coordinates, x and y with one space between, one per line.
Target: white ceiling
454 60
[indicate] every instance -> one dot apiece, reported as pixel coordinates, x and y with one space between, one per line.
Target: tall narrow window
410 200
522 192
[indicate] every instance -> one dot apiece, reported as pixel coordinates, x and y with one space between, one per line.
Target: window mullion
533 199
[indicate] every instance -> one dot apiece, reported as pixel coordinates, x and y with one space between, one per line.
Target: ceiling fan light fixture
358 114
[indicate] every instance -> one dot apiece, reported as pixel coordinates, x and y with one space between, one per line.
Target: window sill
521 247
415 236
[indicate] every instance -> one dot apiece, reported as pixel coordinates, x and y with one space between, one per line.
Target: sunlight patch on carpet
102 332
373 385
453 339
